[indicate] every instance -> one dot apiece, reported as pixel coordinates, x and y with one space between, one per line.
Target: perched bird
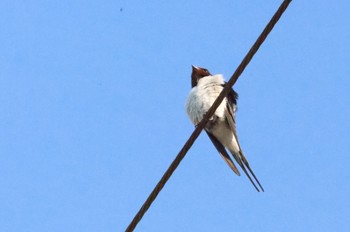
221 127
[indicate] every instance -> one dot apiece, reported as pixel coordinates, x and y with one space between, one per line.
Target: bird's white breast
202 97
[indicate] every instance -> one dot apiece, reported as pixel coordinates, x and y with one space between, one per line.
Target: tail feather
222 151
243 163
251 171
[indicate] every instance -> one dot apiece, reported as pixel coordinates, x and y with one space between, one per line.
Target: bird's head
198 73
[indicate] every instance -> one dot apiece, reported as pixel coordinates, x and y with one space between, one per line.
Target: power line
208 115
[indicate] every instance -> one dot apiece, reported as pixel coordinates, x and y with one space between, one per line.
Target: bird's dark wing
240 158
222 151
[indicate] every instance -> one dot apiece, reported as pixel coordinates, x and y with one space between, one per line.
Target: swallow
221 127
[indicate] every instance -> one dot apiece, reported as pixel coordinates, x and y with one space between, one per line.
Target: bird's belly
199 102
224 134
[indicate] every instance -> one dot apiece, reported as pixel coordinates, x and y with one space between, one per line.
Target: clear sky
92 97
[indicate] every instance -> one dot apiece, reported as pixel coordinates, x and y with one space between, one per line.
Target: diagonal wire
210 112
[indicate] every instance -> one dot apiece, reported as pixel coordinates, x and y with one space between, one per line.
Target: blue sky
92 114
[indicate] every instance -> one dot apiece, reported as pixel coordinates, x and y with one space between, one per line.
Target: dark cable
210 112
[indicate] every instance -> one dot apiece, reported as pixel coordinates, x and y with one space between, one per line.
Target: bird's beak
194 67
